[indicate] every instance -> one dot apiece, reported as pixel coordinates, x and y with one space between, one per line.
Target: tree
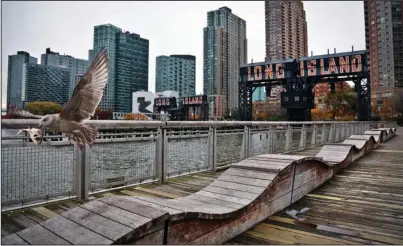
42 107
396 102
132 116
101 114
341 103
261 116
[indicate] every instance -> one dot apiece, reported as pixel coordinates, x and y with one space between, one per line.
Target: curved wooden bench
244 195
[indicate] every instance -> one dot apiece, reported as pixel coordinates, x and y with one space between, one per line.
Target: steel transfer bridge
298 77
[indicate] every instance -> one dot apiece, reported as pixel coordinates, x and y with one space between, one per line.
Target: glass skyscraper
176 73
75 66
45 83
128 65
14 77
225 50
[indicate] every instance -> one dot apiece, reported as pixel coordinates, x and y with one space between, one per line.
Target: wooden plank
24 221
279 156
244 180
224 197
259 167
12 239
134 193
266 161
154 205
134 207
116 214
203 200
184 206
44 212
68 205
39 235
275 164
231 192
159 193
358 201
216 207
73 232
9 225
101 225
269 238
250 173
360 137
55 208
177 191
240 187
300 237
358 143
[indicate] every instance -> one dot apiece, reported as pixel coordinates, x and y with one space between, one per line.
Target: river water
29 171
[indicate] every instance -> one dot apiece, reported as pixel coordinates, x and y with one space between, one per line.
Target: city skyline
169 29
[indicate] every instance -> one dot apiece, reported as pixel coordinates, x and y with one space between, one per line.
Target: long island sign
340 64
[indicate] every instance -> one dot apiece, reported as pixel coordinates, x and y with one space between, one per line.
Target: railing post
245 143
331 133
314 135
288 139
270 141
343 131
212 149
82 172
337 135
160 169
302 142
358 128
323 136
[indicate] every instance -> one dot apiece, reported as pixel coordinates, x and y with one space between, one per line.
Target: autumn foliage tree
132 116
396 102
101 114
43 107
341 105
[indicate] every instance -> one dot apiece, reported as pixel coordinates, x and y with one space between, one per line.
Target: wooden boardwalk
361 205
355 199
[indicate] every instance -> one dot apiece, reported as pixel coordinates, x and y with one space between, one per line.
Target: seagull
81 106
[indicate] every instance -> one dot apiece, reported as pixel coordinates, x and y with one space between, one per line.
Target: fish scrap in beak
34 133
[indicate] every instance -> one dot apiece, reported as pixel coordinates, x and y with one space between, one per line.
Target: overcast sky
171 27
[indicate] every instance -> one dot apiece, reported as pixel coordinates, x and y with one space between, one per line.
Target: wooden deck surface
366 200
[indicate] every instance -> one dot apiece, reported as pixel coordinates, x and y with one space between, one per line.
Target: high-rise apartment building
74 65
286 30
128 65
14 77
176 73
225 50
384 41
45 83
286 36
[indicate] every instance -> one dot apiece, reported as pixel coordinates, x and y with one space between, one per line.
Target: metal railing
129 153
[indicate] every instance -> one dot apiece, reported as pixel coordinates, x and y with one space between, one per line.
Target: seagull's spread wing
25 114
88 92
